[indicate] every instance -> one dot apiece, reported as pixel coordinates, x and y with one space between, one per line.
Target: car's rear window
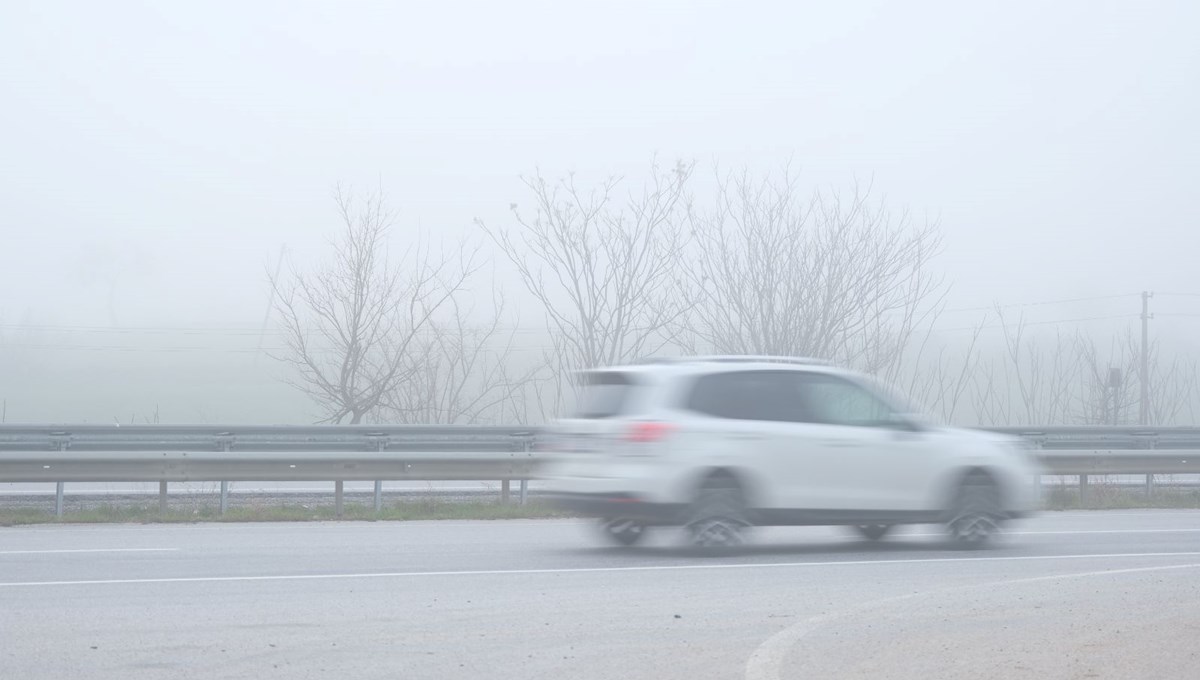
604 394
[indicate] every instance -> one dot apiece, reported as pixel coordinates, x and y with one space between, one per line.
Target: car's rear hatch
610 405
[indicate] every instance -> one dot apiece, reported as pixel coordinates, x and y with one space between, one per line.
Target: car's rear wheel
975 513
623 531
873 532
717 520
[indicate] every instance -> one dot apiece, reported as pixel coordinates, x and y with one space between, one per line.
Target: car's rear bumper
616 506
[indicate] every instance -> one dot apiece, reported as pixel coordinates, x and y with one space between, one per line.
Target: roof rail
734 358
756 358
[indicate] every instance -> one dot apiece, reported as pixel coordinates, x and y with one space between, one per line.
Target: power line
500 331
126 348
229 332
231 350
236 331
1040 303
1037 323
493 350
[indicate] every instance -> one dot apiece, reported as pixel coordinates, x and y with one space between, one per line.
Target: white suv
717 444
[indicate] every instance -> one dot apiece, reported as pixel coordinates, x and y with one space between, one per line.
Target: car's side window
831 400
746 395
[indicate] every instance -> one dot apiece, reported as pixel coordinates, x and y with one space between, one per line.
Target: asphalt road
1064 595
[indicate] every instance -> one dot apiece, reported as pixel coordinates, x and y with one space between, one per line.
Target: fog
159 158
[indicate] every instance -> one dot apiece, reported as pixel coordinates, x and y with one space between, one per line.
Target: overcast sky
157 155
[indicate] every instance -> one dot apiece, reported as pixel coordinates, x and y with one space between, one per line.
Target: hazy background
156 157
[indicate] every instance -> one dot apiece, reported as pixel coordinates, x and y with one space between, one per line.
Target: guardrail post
525 482
62 441
1149 485
337 497
381 444
1083 491
162 497
226 441
504 491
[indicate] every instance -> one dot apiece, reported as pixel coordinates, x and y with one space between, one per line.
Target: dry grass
1110 497
404 511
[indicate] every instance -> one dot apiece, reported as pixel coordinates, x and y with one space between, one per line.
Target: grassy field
149 514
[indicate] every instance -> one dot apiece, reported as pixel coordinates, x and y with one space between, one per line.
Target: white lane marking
1109 531
1148 512
766 662
86 550
581 570
308 525
1081 531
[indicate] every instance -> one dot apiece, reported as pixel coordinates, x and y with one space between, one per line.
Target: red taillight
649 432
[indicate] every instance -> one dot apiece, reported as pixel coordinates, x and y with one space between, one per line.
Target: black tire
717 520
873 532
975 515
624 532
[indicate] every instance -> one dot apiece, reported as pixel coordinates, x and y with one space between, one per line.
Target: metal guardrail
340 453
1106 437
175 453
1084 451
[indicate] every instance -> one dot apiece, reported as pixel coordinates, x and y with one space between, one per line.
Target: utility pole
1144 404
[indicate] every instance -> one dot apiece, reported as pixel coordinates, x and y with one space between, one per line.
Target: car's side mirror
905 423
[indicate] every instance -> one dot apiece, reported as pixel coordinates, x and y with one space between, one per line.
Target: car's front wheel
717 520
975 514
625 532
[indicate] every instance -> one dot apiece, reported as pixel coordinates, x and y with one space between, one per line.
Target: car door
751 428
864 455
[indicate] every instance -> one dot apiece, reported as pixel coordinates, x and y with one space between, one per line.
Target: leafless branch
603 268
832 276
351 325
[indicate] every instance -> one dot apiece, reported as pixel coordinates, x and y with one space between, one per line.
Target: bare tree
1041 380
1068 380
464 373
1174 388
829 275
1100 400
1173 383
351 325
602 266
941 383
